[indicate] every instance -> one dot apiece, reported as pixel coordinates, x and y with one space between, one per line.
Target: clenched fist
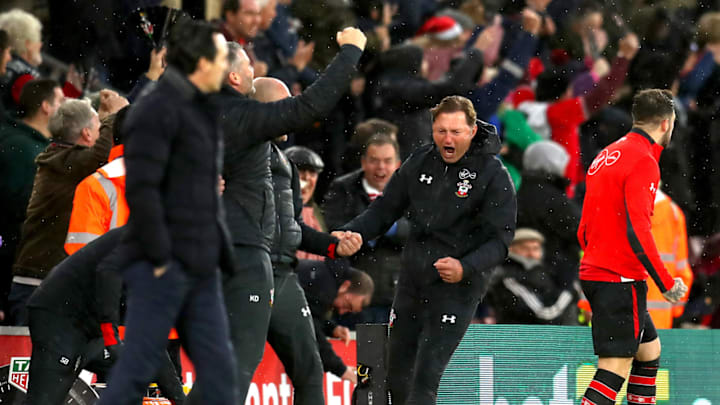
352 36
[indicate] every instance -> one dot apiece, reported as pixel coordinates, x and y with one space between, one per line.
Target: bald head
268 89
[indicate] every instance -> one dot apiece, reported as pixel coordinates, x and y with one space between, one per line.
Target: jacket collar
175 79
655 148
31 132
642 133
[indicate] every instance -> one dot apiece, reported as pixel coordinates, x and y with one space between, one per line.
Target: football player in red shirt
620 254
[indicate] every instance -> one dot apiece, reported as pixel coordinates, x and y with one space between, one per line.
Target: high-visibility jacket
670 235
99 203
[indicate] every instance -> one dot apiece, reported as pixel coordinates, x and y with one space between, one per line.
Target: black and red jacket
615 225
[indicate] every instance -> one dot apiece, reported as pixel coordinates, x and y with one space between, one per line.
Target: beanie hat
547 157
525 234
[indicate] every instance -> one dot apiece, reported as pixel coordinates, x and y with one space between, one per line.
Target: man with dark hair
249 127
176 236
333 286
620 253
80 145
461 206
364 131
350 195
241 23
21 140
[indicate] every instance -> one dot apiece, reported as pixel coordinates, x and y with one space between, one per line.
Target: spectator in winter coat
524 290
25 34
544 206
21 141
347 197
80 145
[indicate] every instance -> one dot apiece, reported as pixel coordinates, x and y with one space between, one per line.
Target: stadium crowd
555 77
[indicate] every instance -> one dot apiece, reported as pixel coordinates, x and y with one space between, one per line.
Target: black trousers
424 333
192 304
292 336
61 351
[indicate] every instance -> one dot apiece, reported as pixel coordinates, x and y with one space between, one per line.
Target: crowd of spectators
554 76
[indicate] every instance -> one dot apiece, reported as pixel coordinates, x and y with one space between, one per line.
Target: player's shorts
620 320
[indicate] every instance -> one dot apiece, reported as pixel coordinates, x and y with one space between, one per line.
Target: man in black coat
544 206
176 237
333 286
74 316
350 195
249 127
461 206
524 291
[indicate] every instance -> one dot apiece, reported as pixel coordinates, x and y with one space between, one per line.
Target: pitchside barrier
494 365
547 365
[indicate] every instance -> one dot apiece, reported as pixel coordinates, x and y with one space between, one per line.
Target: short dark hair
380 139
232 6
651 106
189 41
451 104
34 93
366 129
4 40
360 282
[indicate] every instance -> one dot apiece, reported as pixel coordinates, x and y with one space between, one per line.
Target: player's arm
640 185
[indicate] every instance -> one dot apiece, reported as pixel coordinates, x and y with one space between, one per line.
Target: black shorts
620 320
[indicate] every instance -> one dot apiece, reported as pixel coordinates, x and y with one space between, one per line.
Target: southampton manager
461 206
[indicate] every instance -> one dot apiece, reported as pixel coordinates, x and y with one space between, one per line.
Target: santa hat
443 28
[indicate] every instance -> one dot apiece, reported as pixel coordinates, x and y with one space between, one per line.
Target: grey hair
233 49
21 26
70 119
262 3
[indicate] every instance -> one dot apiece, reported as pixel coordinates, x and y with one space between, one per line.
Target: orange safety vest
99 204
670 235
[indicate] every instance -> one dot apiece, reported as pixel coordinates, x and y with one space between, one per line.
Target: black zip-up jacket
77 289
173 158
250 125
465 210
345 199
321 280
291 232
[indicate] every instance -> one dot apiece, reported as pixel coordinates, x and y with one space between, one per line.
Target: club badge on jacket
464 186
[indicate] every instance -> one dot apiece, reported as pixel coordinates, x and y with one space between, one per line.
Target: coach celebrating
461 207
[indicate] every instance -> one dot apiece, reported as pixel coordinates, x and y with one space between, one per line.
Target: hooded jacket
464 210
544 206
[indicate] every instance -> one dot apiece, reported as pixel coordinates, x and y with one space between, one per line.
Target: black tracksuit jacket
465 210
250 125
79 290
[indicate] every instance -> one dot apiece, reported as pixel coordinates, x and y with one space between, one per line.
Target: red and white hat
443 28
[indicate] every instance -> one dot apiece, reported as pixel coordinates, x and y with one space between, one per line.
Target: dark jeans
17 302
192 304
423 336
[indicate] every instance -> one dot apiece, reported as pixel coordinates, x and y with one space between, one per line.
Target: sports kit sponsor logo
305 311
605 158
